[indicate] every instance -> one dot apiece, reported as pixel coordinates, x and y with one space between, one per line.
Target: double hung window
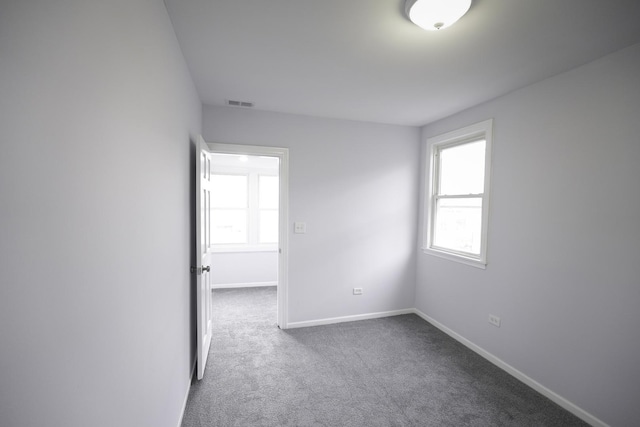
458 198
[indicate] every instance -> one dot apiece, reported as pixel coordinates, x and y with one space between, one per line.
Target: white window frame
482 130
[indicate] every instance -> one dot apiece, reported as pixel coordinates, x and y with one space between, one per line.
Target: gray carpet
397 371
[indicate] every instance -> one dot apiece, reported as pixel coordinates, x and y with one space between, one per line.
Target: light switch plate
299 227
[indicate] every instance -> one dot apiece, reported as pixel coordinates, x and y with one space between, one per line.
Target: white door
203 253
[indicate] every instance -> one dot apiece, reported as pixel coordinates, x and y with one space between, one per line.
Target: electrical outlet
357 291
494 320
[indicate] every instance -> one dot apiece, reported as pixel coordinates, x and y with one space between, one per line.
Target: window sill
243 249
455 257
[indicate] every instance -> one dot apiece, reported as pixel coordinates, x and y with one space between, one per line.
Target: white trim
283 209
186 397
243 285
354 318
551 395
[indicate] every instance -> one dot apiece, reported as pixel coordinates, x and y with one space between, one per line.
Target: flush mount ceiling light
435 14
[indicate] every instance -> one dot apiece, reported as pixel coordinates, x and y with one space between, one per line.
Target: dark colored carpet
397 371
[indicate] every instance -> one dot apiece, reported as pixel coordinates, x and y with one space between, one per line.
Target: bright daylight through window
244 203
458 199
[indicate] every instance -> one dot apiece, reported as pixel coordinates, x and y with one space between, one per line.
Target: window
458 198
229 209
244 203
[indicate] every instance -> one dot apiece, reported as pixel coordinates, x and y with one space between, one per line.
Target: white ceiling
364 60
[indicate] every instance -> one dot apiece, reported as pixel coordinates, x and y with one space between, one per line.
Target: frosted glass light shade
436 14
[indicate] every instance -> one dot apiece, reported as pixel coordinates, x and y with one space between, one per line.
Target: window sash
236 202
437 176
469 233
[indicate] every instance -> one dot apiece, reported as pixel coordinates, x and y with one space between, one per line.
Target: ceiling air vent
239 103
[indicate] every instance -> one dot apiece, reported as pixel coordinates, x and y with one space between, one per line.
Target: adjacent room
411 219
244 229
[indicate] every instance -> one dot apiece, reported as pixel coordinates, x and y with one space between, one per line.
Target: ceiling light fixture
436 14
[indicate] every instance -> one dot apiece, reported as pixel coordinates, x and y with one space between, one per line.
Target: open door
203 253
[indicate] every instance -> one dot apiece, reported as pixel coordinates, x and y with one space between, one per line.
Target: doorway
250 227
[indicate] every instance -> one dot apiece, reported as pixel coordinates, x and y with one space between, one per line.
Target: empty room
302 213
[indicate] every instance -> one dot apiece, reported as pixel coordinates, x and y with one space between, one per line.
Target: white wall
355 184
96 114
242 268
564 238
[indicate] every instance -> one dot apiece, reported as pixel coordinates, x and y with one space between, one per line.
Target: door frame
283 215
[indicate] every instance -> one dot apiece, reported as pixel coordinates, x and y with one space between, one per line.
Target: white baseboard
186 397
354 318
243 285
551 395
